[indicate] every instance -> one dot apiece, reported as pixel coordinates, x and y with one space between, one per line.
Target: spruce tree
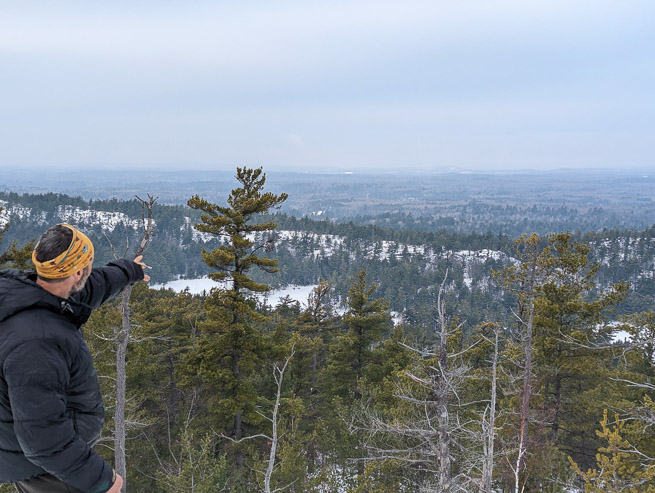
366 320
316 323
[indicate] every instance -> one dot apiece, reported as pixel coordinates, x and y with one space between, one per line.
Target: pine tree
18 258
157 407
230 346
619 467
569 328
523 281
565 362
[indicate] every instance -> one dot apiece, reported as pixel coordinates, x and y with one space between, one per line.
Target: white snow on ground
204 284
74 215
621 336
4 217
328 243
323 245
107 220
195 286
196 235
618 335
295 292
325 241
385 249
9 210
397 317
480 254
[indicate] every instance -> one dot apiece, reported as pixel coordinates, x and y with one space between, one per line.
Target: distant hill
405 264
510 203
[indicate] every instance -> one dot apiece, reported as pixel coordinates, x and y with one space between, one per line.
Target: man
51 411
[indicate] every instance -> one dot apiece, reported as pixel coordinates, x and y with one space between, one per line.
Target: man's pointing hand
139 261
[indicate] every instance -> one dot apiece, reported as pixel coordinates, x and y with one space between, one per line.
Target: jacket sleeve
45 430
106 282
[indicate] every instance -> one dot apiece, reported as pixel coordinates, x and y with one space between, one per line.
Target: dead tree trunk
529 294
122 339
432 432
489 426
440 327
524 281
278 375
525 401
274 438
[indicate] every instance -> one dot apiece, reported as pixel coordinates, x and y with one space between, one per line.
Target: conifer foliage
489 389
19 258
618 464
236 224
231 345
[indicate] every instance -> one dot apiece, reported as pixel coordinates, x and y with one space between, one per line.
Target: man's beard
79 286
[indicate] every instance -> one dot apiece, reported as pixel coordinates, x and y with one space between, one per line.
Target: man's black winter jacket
51 411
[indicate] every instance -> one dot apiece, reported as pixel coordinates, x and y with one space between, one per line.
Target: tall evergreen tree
570 327
229 349
315 323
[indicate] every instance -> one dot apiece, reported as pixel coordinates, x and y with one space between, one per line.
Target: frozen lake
296 293
197 286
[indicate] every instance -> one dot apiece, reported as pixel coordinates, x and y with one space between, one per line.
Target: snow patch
107 220
194 286
203 285
9 210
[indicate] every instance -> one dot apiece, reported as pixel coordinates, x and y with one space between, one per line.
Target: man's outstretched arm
106 282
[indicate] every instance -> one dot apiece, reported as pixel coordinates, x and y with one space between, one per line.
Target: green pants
45 483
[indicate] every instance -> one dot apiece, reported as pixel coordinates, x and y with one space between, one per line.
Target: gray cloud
365 83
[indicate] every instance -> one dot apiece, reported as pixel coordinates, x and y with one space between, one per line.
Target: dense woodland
527 368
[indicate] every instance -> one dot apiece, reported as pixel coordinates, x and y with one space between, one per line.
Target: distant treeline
405 279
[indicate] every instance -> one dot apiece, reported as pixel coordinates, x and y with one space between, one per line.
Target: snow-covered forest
418 361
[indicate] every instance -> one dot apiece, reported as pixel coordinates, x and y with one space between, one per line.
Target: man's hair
53 243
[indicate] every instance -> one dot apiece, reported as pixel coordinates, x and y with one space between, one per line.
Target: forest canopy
421 361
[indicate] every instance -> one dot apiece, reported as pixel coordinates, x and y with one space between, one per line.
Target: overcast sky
476 84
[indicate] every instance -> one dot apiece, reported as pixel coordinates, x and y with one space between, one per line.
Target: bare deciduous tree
489 418
431 430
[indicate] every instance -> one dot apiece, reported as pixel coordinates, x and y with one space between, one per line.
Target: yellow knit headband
75 258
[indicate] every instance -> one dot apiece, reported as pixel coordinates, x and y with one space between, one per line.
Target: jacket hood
19 291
